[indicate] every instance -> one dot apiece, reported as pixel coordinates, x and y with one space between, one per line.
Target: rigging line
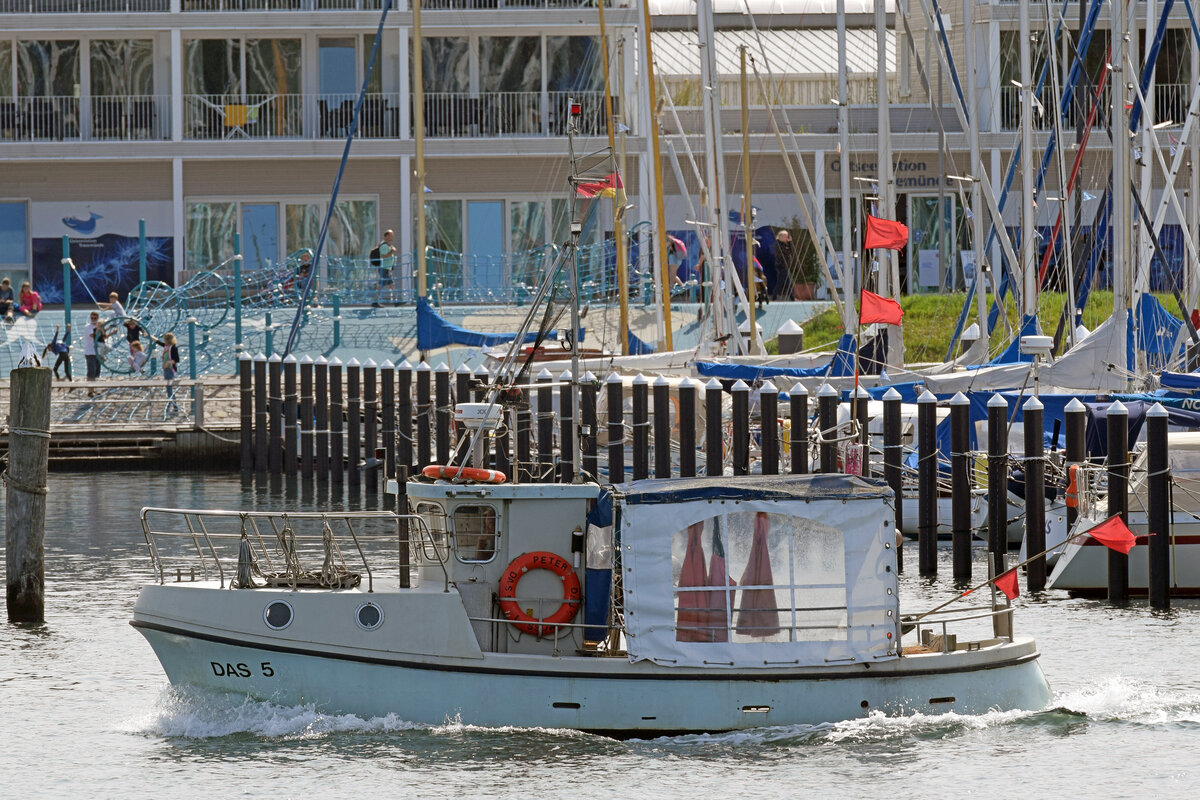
337 182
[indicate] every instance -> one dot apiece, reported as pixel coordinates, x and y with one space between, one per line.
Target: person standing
170 364
387 266
92 334
62 348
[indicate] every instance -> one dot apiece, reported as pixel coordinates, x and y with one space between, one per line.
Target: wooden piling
290 416
1118 496
662 427
740 392
997 470
714 439
960 487
616 429
1075 451
566 427
337 446
927 494
545 427
893 456
798 436
261 413
246 411
641 427
370 372
768 404
1159 512
589 430
442 412
404 416
354 442
523 457
306 417
387 392
321 413
863 417
25 493
827 403
1035 493
424 416
275 414
688 389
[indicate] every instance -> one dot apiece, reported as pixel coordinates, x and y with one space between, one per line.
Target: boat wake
1130 701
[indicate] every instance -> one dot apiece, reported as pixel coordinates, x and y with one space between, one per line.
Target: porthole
278 615
369 616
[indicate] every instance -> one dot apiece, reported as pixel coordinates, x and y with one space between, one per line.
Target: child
63 349
113 305
170 363
6 300
30 301
137 357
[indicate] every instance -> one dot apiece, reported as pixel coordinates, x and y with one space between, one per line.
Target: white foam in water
1131 701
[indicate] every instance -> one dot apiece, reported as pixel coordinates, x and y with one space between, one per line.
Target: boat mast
1121 215
717 222
660 227
1028 223
747 216
419 135
843 115
976 201
618 210
889 266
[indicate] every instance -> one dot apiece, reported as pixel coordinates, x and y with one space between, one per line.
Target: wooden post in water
641 427
371 426
321 412
688 390
306 417
354 442
662 427
768 404
387 387
997 411
545 427
404 416
1118 496
893 455
442 411
1076 449
246 411
290 416
25 493
337 449
740 392
566 427
960 487
714 439
1159 511
862 416
523 458
1035 494
275 413
927 494
589 430
424 416
827 403
616 429
261 413
798 443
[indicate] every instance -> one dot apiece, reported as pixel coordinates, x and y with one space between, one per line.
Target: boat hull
600 694
1082 569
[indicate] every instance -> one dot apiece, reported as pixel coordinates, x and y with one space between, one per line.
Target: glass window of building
122 67
302 225
213 67
14 235
48 68
444 225
6 70
210 229
446 64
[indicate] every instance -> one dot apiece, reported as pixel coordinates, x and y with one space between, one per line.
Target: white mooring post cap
826 391
1117 407
640 380
353 362
661 381
1032 404
424 367
862 392
306 359
996 401
891 395
275 357
927 397
713 384
442 367
387 364
1157 410
321 360
959 399
369 364
545 375
405 364
589 377
565 376
463 369
799 390
789 327
768 388
613 378
289 359
1075 406
740 386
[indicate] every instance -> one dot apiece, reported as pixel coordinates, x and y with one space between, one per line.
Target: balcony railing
461 114
32 118
131 117
1170 105
378 119
82 6
251 116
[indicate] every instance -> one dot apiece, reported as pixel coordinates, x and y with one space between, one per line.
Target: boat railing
933 629
557 630
252 549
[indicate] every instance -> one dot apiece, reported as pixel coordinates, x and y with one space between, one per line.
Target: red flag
885 233
1007 583
1114 534
879 309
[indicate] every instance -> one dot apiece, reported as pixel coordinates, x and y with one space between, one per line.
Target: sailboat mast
715 168
889 268
976 200
847 274
1121 212
747 216
618 232
419 134
660 227
1029 276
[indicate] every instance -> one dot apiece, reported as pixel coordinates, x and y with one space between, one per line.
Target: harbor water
87 712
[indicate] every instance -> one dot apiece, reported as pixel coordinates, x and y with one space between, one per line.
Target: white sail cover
764 572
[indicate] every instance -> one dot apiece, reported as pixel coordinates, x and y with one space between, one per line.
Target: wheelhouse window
434 547
476 533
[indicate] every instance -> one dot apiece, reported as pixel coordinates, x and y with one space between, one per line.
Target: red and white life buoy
513 573
467 473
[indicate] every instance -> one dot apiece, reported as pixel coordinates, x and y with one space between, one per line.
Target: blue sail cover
637 347
433 332
840 366
1158 330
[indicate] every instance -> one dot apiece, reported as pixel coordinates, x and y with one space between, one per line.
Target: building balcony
126 118
164 6
1171 102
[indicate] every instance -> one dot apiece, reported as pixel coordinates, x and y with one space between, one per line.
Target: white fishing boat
710 605
1082 567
